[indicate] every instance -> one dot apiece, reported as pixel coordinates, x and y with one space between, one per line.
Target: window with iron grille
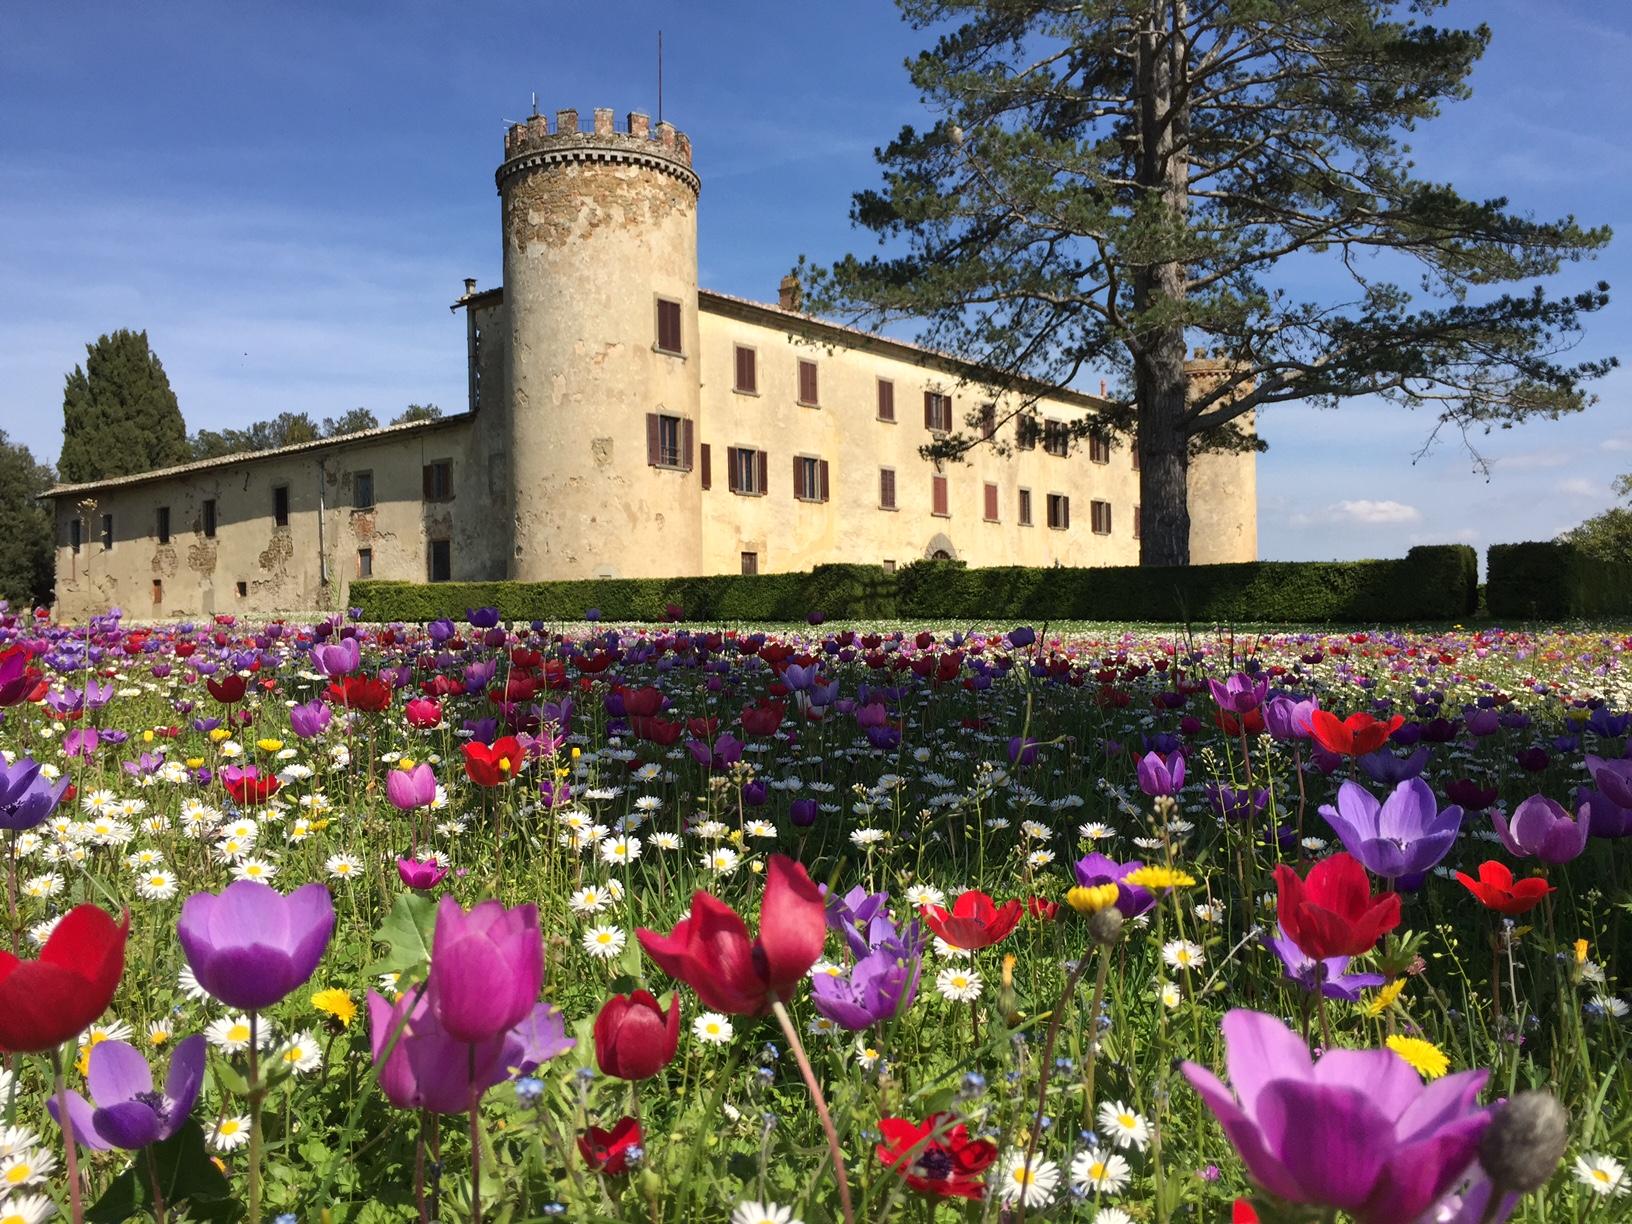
668 441
886 400
1101 512
668 325
1059 511
937 412
747 362
807 384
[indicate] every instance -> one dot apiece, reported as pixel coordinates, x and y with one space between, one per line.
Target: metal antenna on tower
535 104
660 76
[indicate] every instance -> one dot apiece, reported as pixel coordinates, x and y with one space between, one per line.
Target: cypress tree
25 527
119 415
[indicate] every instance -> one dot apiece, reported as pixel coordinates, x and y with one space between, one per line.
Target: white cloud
1374 512
1615 444
1580 486
1531 461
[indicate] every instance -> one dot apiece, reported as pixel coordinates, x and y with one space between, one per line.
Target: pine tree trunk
1160 383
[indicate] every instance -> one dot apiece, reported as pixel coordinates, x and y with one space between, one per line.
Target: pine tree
25 527
119 415
1114 182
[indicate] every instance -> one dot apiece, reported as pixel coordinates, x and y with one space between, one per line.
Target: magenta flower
340 659
128 1113
250 945
411 788
1288 719
1159 775
420 873
1357 1130
1541 828
487 968
310 720
1239 694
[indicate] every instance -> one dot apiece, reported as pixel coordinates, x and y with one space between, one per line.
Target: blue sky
287 198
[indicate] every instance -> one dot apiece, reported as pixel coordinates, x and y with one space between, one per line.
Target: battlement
538 141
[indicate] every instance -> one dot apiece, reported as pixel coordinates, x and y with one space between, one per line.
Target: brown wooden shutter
821 476
653 441
797 491
731 469
929 410
807 382
991 501
764 485
745 369
988 422
939 488
886 488
685 444
668 326
427 490
886 400
1065 513
705 465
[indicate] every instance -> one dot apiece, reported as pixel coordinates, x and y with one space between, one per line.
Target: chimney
470 286
787 293
1102 388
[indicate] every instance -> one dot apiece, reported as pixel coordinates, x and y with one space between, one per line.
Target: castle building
624 422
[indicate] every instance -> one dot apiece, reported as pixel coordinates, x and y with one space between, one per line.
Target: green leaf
406 932
186 1175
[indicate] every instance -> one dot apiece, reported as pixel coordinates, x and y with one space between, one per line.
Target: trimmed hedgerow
1429 583
1549 579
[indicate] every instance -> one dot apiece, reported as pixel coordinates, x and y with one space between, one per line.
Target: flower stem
256 1093
157 1185
475 1144
798 1048
76 1208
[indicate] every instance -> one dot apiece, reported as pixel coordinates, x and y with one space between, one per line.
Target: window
365 563
209 518
437 478
937 497
1055 439
991 502
747 370
747 474
440 566
750 563
886 488
74 530
668 441
705 465
988 421
1099 448
937 412
107 532
809 478
280 505
158 591
807 383
886 400
1138 523
889 566
162 515
1025 507
668 326
1133 448
1025 433
242 588
1059 511
1101 514
362 490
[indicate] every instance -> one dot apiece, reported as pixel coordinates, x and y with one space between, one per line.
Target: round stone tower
600 296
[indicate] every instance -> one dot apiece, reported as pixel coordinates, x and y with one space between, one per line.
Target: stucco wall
278 566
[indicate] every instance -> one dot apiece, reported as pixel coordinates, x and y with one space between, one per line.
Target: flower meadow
818 923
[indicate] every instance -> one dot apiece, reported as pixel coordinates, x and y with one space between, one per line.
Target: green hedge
1550 579
1429 583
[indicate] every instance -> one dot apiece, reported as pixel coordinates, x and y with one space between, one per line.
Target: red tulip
944 1165
1498 890
710 950
359 693
227 690
493 764
762 719
642 702
607 1151
975 921
1042 907
247 785
423 713
1333 912
1355 735
45 1002
634 1039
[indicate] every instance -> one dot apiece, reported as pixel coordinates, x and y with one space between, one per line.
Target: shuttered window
747 370
1059 511
988 421
1099 448
1138 523
886 488
1025 433
807 383
1025 508
937 493
809 478
436 480
669 441
937 412
886 400
706 466
1100 512
745 470
1055 439
991 503
668 325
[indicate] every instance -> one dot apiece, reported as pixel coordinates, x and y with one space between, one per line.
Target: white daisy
230 1133
26 1168
27 1209
711 1028
343 866
762 1213
604 942
229 1034
958 985
589 900
1602 1175
157 885
300 1053
620 851
1096 1172
1030 1184
1182 954
1123 1126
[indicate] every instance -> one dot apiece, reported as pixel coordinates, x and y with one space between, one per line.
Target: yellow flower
219 734
1384 998
1580 951
406 764
147 736
269 745
1091 900
1159 877
577 752
1424 1057
195 762
337 1003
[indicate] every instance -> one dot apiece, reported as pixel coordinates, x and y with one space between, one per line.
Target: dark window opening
1099 448
437 480
809 478
440 568
163 524
243 588
107 532
1059 511
988 421
668 441
209 518
362 490
747 470
937 412
280 505
365 563
74 534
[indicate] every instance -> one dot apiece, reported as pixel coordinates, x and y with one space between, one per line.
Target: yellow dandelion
1091 900
1424 1057
195 762
1384 998
218 734
1159 877
337 1003
406 764
269 745
1581 951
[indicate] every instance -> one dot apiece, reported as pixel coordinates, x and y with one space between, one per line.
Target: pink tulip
487 968
411 788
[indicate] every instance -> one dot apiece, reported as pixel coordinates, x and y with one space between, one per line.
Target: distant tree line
293 428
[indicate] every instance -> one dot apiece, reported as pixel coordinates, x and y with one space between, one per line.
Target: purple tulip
726 751
1022 752
482 618
1288 719
1095 869
1383 766
1613 777
128 1114
1239 805
1239 694
487 968
340 659
1160 775
1401 837
1357 1130
408 789
852 914
878 987
1605 818
429 1069
1329 976
26 798
803 812
310 720
81 742
420 874
250 945
1542 828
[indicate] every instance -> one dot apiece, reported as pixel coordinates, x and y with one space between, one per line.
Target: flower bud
1106 925
1525 1141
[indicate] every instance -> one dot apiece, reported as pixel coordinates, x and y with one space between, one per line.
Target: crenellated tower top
660 147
